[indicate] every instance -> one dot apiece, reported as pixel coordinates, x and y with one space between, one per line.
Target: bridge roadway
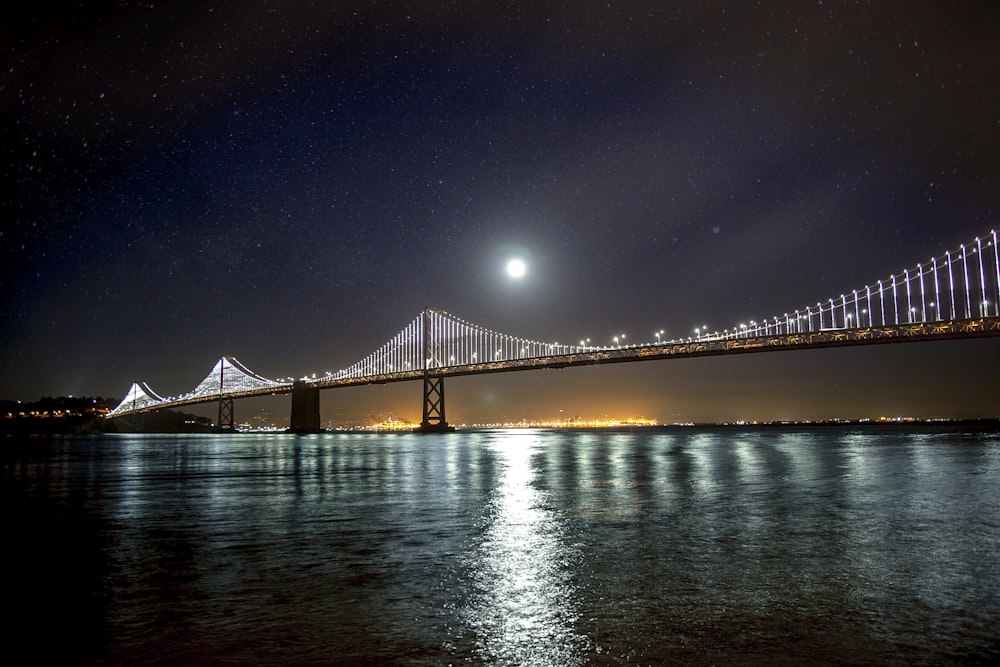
307 418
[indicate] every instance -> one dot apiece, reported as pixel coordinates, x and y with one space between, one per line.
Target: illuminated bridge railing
950 296
451 341
960 285
228 378
705 346
963 284
138 398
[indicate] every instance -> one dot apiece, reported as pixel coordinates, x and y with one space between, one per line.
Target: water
776 546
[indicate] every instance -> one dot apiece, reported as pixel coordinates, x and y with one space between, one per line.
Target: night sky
291 183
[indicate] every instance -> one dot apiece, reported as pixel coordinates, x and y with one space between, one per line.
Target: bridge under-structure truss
951 296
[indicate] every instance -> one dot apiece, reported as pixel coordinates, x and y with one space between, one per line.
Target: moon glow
516 268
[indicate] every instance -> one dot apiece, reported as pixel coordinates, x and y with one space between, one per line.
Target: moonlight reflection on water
523 608
726 546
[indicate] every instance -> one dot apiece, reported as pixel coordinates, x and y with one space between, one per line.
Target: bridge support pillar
305 409
226 421
434 419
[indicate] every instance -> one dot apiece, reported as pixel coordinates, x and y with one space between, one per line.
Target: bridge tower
226 421
433 413
433 419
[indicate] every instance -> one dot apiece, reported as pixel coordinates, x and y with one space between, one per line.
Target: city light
575 422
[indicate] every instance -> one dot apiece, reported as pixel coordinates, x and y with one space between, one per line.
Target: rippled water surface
776 546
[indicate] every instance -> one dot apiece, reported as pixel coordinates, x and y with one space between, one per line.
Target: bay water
779 545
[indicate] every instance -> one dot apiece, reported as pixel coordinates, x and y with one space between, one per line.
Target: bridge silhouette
952 296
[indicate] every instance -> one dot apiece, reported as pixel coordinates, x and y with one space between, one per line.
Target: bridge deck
902 333
915 332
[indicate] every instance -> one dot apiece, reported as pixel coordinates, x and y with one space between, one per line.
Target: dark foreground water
768 546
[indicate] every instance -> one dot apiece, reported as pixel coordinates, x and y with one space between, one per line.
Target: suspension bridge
951 296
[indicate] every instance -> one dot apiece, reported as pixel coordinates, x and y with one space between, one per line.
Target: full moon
516 268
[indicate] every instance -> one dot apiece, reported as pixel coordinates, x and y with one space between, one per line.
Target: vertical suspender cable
996 265
923 300
968 297
937 290
982 279
951 285
909 302
895 299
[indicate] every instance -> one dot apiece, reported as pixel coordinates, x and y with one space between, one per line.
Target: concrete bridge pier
305 409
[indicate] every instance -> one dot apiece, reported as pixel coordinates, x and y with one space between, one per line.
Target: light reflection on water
726 546
522 607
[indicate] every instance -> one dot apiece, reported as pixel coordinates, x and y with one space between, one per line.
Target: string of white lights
963 284
960 284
